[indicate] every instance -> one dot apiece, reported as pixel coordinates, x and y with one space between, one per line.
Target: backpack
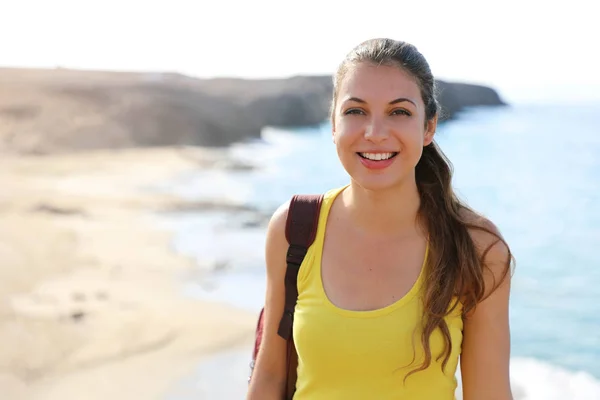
300 232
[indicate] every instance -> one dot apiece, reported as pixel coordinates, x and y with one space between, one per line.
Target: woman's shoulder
278 218
493 249
483 230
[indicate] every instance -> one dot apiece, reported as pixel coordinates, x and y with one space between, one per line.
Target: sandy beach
90 299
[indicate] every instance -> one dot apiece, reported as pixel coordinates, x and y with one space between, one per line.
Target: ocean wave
533 379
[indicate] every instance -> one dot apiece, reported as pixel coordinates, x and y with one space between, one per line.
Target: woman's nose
376 131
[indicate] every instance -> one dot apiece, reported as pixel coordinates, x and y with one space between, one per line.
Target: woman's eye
354 111
401 112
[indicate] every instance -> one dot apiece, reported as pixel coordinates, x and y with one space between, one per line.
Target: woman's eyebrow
396 101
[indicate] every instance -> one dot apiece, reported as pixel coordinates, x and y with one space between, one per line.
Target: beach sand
90 299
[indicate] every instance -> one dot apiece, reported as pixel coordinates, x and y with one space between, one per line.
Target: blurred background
144 146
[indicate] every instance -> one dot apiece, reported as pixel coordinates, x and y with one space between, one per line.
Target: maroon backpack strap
300 231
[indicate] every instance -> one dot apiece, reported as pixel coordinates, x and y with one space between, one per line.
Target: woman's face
379 125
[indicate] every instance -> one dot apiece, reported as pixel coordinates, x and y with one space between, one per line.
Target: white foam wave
532 379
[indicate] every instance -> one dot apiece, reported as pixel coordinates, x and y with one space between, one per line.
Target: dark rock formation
454 97
295 101
50 111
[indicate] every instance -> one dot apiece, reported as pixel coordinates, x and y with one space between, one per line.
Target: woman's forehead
378 82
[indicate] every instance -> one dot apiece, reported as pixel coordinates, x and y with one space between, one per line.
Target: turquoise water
533 170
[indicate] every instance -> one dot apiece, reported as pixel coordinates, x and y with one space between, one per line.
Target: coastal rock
455 97
290 102
59 110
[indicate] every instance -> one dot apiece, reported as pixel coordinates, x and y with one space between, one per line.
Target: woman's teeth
377 156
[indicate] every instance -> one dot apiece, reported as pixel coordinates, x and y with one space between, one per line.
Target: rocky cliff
51 111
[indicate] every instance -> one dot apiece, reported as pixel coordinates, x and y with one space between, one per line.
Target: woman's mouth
378 156
377 160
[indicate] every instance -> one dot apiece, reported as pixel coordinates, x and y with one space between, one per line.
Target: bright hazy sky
528 49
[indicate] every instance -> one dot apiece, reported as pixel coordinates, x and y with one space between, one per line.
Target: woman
403 279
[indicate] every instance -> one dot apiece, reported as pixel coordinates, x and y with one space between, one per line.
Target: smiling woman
369 117
403 280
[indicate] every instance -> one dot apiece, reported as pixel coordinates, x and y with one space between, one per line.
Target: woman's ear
430 131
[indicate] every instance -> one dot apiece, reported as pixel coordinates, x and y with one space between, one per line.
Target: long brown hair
455 267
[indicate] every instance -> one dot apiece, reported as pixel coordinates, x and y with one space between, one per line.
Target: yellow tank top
360 355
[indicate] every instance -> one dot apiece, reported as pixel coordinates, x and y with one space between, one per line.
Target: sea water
534 170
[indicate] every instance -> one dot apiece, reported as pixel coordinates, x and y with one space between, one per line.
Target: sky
526 49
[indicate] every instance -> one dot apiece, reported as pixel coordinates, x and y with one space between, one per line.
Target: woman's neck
386 211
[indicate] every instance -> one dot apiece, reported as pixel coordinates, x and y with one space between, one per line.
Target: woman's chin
379 180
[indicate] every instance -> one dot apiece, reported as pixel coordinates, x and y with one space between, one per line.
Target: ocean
532 169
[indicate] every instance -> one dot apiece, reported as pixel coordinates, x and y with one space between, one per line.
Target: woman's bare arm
486 344
269 376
